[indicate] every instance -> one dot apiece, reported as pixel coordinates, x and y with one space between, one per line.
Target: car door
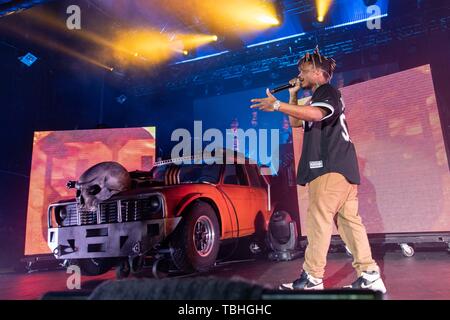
236 189
258 193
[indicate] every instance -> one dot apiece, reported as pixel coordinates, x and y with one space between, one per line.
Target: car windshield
188 173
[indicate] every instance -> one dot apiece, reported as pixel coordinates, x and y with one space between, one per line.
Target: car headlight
60 214
155 204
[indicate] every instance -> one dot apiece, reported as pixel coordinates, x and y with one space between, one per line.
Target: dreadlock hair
327 65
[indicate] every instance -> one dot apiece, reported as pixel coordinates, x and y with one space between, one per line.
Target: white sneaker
369 280
305 282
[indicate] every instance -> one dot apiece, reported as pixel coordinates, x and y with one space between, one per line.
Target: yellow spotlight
185 52
59 25
43 40
322 7
190 41
237 15
149 45
271 21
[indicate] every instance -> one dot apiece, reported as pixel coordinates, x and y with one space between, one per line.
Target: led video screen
395 126
60 156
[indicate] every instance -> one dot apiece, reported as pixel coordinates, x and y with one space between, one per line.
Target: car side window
200 173
254 176
234 174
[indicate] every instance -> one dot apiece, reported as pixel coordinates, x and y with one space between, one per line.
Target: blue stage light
275 40
202 57
28 59
121 99
357 21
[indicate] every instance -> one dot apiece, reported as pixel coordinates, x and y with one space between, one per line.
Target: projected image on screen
395 126
231 112
62 156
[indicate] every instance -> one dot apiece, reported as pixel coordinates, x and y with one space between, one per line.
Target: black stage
425 276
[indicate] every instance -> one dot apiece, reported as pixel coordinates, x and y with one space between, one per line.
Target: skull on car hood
101 182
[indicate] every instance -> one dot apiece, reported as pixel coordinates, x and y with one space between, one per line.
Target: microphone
281 88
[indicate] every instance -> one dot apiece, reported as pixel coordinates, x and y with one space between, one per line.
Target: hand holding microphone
270 103
293 86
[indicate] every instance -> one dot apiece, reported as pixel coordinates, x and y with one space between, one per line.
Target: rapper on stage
329 167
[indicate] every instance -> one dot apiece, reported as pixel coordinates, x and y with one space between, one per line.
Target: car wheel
94 267
195 243
123 269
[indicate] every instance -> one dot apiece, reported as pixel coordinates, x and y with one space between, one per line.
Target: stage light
322 7
275 40
58 25
203 57
228 16
272 21
356 22
154 47
28 59
149 45
121 99
195 40
51 44
279 9
282 237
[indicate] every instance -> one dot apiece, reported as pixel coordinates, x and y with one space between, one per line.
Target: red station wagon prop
181 211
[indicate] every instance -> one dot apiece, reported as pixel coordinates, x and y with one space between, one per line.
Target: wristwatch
276 105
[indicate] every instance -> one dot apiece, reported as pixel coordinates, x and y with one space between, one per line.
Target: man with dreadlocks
329 166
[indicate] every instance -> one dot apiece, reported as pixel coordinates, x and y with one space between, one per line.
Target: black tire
196 255
160 269
94 267
123 269
137 266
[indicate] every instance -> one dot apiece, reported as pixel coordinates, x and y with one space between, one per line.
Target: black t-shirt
327 146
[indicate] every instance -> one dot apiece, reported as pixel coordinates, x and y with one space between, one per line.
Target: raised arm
305 113
294 122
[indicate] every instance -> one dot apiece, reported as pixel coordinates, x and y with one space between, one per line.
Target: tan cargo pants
333 199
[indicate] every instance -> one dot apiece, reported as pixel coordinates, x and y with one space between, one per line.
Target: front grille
109 212
131 210
134 210
72 217
88 217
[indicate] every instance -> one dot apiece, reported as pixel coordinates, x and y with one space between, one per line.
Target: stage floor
426 275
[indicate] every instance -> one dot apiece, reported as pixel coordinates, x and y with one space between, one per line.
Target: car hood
171 191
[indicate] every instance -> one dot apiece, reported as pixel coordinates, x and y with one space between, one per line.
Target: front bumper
109 240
